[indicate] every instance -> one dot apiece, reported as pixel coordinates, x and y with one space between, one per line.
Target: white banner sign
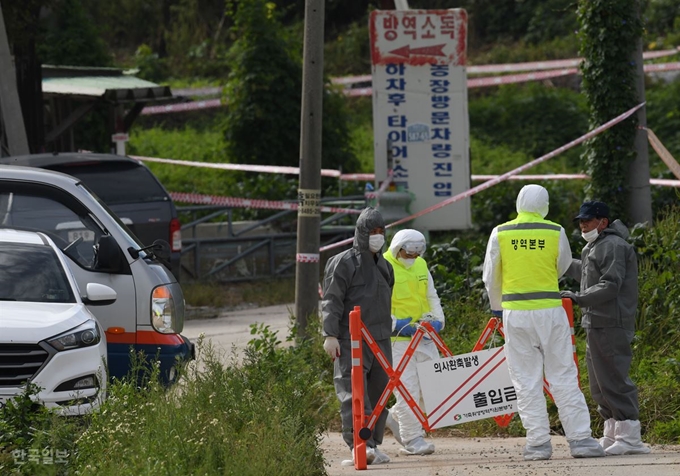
420 117
466 387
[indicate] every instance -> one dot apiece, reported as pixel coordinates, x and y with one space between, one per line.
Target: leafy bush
659 310
273 405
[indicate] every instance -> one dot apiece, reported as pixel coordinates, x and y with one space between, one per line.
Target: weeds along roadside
262 415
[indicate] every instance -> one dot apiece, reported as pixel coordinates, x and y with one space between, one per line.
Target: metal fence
217 248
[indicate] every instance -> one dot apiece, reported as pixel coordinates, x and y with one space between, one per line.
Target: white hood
404 236
31 322
533 199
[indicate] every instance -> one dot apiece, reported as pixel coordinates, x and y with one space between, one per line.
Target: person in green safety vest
414 300
524 260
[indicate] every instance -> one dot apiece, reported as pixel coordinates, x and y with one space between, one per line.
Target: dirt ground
501 457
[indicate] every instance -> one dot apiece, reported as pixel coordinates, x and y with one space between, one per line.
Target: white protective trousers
539 341
409 426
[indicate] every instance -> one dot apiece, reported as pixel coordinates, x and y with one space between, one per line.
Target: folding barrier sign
455 389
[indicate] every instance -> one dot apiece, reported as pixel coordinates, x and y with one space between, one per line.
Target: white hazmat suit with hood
537 332
414 297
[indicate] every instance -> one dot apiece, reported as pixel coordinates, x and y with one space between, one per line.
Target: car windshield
30 272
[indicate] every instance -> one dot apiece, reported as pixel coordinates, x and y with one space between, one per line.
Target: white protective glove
332 347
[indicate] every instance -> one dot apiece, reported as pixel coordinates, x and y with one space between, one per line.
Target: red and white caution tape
352 79
207 91
665 182
517 67
660 182
234 202
653 68
358 177
518 78
272 169
183 106
478 178
488 81
307 258
514 67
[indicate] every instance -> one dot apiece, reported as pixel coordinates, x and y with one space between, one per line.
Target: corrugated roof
112 85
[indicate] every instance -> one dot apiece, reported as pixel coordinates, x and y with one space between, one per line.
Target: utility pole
640 197
12 117
309 191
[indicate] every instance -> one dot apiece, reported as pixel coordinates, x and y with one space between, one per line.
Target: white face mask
591 235
407 262
376 242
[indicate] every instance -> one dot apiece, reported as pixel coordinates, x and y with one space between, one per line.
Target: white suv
49 338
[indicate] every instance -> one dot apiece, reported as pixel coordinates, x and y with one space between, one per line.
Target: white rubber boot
627 439
537 453
586 448
609 433
417 446
370 457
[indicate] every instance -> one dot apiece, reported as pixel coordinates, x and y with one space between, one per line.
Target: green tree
262 125
70 38
609 32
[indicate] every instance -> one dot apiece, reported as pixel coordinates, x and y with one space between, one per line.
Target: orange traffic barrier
363 424
361 433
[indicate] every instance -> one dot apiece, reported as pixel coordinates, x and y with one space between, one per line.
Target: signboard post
420 116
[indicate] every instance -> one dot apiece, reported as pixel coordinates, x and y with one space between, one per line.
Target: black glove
569 295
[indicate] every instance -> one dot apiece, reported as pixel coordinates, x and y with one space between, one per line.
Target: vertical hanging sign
420 114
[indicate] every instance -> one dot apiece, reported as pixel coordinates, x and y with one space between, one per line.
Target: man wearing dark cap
360 276
608 297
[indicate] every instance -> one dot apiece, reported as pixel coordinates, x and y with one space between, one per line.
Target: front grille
20 362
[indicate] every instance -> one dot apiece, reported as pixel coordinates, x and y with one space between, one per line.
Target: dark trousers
609 355
375 381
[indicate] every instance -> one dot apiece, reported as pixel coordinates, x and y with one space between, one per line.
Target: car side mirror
109 257
99 295
161 249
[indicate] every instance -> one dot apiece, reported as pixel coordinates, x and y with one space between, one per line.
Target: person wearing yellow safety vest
414 300
524 260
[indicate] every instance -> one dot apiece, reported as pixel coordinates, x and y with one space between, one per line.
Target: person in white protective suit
414 300
608 297
524 260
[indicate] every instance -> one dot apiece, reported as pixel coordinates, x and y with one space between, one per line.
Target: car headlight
163 310
85 335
